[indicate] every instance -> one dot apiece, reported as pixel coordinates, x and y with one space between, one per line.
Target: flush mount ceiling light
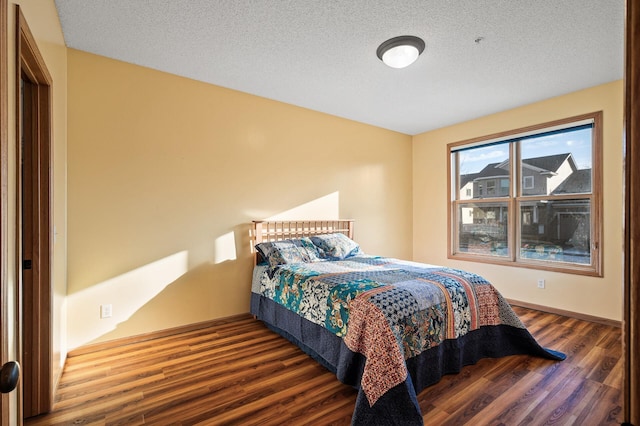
400 52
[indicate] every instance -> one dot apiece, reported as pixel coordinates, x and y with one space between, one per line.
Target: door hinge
26 264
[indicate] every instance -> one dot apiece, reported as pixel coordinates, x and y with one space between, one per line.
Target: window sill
562 267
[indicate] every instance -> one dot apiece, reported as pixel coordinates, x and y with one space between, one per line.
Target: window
504 187
491 187
532 197
527 182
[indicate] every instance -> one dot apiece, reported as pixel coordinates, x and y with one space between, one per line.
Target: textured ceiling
321 54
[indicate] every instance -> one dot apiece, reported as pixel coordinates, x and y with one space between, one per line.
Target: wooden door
7 320
34 227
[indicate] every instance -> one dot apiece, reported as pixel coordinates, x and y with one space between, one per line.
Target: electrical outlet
541 283
106 311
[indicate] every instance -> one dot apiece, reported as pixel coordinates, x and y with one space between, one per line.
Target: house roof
547 163
492 170
550 162
578 182
465 179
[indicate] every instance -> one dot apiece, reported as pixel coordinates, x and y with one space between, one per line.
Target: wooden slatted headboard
264 231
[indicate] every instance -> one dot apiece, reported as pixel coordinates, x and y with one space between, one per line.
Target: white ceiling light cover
400 52
400 57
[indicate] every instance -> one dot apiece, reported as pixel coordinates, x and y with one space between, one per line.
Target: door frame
631 305
5 320
34 305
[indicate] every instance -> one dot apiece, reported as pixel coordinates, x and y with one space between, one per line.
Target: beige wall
600 297
42 18
165 173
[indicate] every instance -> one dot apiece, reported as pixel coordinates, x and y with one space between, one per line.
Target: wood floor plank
514 404
613 379
241 373
602 409
89 397
474 403
565 394
70 390
88 413
196 407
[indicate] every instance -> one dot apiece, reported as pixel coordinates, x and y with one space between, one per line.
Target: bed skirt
399 406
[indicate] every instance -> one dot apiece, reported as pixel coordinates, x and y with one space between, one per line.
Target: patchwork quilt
385 318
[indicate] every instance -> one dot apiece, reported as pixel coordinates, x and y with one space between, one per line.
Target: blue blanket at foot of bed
398 406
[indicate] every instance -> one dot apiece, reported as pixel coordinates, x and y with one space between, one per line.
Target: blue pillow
289 251
336 246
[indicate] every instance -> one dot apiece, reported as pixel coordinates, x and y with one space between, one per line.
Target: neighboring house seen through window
530 197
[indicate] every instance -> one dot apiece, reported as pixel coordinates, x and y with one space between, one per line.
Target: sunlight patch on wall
225 248
322 208
125 293
327 207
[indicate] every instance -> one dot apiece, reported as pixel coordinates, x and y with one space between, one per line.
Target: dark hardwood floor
239 372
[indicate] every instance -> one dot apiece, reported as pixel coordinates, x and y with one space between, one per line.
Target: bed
386 326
